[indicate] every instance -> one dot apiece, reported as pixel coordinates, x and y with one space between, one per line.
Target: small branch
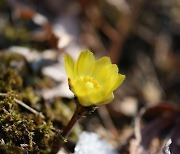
3 94
29 108
105 116
25 106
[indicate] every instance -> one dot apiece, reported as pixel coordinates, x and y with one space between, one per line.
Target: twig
25 106
29 108
104 114
3 94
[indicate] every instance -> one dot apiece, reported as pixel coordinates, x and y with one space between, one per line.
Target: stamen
91 82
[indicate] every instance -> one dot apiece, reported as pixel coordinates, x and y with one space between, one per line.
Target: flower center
90 82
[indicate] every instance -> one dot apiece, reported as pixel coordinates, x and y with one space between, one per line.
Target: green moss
29 96
24 130
16 33
21 130
9 80
12 69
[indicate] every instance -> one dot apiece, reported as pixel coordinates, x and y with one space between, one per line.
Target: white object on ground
91 143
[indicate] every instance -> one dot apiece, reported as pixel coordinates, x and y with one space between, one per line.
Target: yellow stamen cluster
89 81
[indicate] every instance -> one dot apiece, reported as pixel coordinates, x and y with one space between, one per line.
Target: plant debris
140 36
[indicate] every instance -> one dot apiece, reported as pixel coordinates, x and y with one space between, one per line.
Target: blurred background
141 36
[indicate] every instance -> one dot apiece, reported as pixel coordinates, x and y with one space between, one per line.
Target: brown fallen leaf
153 127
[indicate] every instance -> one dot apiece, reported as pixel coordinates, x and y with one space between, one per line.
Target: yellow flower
92 81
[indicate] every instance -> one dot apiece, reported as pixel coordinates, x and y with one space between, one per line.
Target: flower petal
85 63
103 62
69 66
119 81
108 99
100 64
114 83
106 73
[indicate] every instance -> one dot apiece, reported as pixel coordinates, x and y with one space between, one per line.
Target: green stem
80 112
